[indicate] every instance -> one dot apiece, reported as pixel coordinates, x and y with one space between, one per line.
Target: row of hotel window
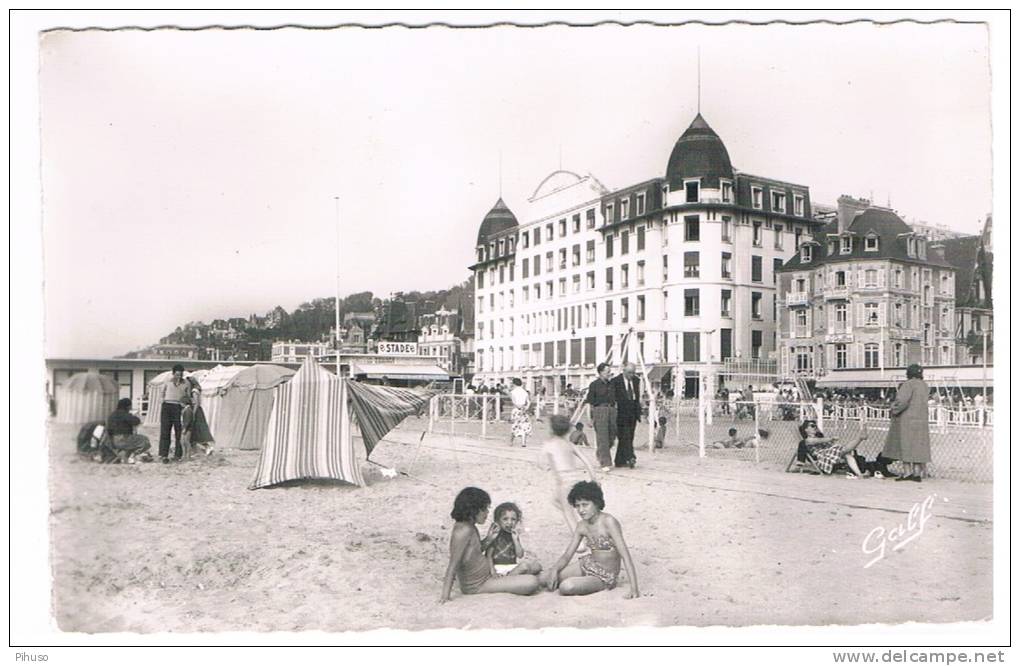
804 356
920 280
692 194
871 314
583 351
692 233
916 247
692 269
586 315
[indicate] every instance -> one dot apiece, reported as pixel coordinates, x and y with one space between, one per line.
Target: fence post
485 413
701 425
820 414
453 413
757 438
432 412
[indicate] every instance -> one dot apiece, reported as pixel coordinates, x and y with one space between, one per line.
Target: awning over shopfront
657 372
968 376
426 373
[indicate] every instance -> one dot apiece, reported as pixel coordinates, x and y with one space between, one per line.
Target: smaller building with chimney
866 291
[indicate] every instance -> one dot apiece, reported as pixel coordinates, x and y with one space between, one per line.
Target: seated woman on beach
503 545
600 569
734 442
467 562
827 451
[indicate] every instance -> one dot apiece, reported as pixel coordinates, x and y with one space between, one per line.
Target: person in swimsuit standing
467 561
565 464
601 532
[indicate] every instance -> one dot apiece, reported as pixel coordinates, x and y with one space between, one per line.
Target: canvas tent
309 432
86 396
214 387
157 388
239 411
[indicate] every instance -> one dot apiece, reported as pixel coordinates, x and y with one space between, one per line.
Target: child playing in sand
503 546
734 442
467 563
565 465
600 569
577 435
660 433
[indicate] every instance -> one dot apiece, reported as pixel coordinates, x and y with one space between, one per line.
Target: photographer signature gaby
900 535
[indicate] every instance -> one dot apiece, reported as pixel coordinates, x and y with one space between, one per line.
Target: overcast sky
191 175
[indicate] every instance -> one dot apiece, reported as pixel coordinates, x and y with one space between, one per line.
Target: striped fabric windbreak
381 408
309 432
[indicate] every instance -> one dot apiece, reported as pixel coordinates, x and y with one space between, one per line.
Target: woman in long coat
909 440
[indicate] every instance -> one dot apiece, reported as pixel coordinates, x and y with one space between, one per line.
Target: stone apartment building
866 291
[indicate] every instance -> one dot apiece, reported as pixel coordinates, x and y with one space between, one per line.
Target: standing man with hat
602 399
627 391
178 392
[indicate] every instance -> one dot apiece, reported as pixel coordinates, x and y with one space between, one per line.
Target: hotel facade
687 261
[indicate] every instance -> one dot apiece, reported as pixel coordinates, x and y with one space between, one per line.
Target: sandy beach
187 548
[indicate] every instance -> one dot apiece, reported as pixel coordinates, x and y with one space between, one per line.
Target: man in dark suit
627 390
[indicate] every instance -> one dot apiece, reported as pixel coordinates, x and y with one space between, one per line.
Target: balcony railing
801 332
840 336
837 293
798 298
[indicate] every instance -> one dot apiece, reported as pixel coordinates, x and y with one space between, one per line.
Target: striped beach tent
214 387
86 396
380 409
309 432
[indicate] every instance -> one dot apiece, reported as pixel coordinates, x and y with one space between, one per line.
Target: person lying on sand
467 562
734 442
600 569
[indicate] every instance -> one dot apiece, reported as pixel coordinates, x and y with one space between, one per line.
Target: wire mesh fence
768 432
761 431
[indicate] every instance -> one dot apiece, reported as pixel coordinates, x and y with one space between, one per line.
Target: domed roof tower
499 219
698 153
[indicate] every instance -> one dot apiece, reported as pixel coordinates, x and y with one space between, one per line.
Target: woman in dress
909 440
520 422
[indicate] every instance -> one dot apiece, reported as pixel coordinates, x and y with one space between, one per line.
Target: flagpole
336 333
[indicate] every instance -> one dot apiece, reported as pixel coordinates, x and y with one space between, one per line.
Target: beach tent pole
336 333
651 401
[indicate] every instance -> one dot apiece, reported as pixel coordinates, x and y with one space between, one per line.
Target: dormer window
609 214
481 255
524 240
779 202
692 191
922 249
499 248
846 244
832 247
805 254
639 204
665 194
911 247
624 209
871 243
727 191
798 205
755 197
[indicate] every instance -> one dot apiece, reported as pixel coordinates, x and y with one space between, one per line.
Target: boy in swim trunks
565 464
503 544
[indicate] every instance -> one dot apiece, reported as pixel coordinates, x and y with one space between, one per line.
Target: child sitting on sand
600 569
565 465
577 435
467 563
503 546
734 442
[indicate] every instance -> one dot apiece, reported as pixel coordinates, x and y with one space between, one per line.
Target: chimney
938 248
847 208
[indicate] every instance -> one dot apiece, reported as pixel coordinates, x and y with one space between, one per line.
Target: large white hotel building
686 260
